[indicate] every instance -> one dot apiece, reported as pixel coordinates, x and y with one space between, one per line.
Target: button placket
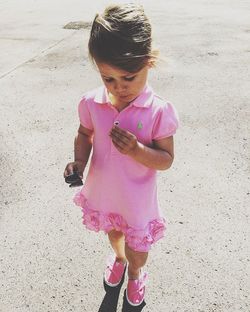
115 122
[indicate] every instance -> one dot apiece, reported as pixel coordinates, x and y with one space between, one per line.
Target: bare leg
136 260
117 241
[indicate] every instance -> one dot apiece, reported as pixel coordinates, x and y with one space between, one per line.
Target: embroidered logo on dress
139 126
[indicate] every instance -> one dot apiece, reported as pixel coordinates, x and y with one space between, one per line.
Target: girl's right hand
75 166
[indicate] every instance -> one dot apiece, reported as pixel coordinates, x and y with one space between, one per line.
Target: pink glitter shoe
135 291
114 273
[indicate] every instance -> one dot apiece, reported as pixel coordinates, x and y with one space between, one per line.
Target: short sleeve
84 114
166 122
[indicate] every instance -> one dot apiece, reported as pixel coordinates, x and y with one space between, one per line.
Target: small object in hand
73 179
77 183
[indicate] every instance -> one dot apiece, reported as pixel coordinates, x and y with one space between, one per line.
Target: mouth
123 96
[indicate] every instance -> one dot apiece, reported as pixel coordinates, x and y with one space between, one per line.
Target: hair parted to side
122 37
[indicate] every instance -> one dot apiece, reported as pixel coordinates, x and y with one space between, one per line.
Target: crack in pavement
37 55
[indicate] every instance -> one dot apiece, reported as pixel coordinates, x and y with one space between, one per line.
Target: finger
122 132
66 173
69 170
119 144
78 171
119 147
119 138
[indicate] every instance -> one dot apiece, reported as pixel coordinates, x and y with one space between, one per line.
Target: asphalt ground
48 261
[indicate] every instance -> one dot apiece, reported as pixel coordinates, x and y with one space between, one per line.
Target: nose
120 87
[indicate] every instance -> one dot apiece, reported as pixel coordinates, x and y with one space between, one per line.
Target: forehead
109 70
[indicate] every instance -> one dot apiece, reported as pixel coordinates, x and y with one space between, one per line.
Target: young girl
130 130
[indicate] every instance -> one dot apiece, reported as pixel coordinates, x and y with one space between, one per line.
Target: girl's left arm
160 156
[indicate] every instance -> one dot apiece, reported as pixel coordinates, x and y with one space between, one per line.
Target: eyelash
126 79
108 79
129 78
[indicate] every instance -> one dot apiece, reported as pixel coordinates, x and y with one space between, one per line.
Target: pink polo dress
120 193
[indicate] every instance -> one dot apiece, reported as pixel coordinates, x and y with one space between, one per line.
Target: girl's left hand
125 141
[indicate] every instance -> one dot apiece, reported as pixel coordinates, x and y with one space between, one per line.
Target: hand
125 141
75 166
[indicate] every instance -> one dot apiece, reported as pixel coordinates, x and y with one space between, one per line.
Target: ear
151 63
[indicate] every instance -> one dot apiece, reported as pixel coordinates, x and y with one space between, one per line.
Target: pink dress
120 193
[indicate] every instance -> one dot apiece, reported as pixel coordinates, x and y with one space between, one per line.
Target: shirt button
116 123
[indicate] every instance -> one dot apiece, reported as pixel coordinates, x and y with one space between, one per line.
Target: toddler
130 131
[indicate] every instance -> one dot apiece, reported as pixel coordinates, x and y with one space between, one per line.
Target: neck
118 105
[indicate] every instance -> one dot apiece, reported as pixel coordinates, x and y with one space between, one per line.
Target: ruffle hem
138 240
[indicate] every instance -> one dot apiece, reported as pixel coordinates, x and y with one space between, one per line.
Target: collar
144 99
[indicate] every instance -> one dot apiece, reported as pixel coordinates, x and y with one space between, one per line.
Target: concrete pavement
48 261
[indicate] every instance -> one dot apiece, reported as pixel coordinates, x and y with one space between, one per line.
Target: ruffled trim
138 240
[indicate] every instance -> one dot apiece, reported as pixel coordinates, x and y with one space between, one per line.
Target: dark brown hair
121 37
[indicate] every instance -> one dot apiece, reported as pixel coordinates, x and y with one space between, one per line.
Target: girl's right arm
82 149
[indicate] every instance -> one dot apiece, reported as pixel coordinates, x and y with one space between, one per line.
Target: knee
115 235
136 259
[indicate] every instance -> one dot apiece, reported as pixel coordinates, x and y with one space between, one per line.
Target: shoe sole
128 307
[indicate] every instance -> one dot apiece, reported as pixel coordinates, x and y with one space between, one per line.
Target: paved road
48 262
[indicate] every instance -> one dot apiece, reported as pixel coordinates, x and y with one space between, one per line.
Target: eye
129 78
108 79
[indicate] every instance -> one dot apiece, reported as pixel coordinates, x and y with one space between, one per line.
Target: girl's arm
82 149
160 156
83 145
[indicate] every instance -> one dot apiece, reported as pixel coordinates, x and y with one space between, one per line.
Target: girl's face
124 86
